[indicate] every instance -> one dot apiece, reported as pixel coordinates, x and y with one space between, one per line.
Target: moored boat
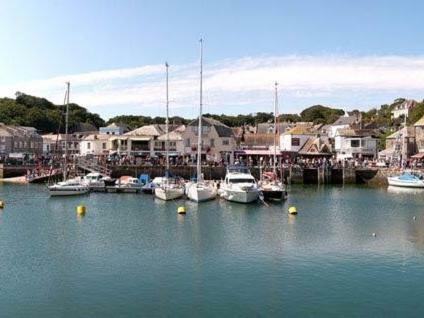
407 179
200 190
68 187
239 185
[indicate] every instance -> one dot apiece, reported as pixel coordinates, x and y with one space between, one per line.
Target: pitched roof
351 132
96 137
420 122
221 129
268 128
176 134
315 146
302 129
345 120
405 131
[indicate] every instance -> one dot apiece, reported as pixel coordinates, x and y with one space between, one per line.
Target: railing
92 166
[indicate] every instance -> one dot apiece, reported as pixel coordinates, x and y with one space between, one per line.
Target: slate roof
345 120
221 129
410 132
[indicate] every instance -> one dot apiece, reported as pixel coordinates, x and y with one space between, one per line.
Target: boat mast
274 169
65 168
199 128
167 121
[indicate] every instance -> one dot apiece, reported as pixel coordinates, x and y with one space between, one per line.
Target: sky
348 54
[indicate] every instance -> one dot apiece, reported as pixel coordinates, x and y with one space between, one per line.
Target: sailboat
200 190
67 187
171 187
271 187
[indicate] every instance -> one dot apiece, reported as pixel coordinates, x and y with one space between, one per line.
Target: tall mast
199 130
167 121
274 169
65 169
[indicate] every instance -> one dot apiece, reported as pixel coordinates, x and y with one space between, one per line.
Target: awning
16 155
419 155
140 138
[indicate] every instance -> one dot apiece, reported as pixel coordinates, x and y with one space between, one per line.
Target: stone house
20 141
400 144
419 138
218 140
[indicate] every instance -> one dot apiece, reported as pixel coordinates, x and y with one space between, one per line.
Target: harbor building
353 143
19 141
218 140
95 144
114 129
403 109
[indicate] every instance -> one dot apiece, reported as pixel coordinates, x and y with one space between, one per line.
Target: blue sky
353 54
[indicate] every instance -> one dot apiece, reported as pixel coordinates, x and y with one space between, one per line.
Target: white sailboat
68 186
271 187
200 190
171 188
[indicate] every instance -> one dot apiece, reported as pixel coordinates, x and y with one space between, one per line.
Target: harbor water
134 256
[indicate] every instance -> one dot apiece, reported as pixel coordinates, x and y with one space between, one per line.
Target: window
172 144
212 142
15 144
187 142
363 143
88 145
295 142
354 143
225 142
104 146
422 143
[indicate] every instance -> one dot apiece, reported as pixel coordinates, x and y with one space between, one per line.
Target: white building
294 139
355 143
403 109
344 122
96 144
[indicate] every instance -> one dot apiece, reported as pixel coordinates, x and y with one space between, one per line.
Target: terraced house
20 141
218 141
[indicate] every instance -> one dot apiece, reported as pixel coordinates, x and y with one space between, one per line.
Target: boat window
242 180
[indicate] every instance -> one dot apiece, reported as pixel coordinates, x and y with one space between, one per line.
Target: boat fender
2 204
181 210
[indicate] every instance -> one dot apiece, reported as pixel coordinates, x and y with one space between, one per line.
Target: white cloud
236 85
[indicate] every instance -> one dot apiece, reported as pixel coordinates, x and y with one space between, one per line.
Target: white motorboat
239 185
128 184
71 186
97 182
171 188
407 180
68 187
200 190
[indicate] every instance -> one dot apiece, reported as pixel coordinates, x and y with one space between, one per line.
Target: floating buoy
181 210
414 218
373 234
1 204
81 210
292 210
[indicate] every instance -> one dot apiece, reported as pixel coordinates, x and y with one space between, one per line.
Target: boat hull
167 194
240 196
395 182
70 191
200 193
274 195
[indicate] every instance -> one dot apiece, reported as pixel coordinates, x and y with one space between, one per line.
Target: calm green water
132 255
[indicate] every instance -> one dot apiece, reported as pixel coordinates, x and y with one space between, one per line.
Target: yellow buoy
181 210
81 210
1 204
292 210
